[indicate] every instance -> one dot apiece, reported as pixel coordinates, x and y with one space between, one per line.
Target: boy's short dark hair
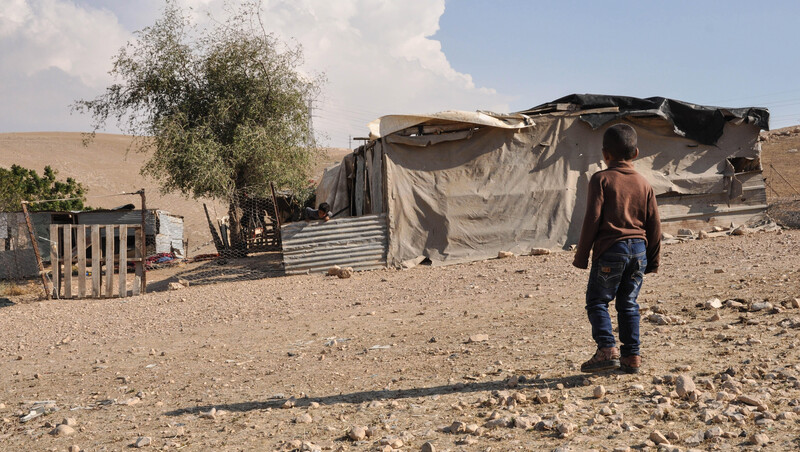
620 141
325 207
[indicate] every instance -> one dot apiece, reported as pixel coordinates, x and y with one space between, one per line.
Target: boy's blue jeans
617 273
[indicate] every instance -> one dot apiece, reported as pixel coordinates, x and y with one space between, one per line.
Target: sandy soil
391 351
106 167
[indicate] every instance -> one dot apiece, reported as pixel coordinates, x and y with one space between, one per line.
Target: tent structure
460 186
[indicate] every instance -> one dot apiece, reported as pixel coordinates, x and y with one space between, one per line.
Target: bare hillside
106 167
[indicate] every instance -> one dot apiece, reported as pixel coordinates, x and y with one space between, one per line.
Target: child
623 231
323 212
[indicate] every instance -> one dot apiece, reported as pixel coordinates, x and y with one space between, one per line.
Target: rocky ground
481 356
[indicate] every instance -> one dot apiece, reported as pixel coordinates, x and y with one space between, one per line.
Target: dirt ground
474 357
401 353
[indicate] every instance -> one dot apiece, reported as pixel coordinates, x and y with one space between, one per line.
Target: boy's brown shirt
621 205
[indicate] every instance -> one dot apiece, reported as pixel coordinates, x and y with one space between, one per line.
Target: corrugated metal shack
164 234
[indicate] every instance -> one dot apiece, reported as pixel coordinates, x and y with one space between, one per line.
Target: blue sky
420 56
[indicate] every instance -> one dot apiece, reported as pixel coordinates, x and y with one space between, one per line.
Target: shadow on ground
5 302
368 396
258 266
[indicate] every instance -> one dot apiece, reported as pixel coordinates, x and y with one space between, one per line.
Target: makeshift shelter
461 186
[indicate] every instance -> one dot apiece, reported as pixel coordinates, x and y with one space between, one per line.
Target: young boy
323 212
623 231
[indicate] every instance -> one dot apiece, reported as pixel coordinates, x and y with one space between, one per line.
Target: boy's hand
580 264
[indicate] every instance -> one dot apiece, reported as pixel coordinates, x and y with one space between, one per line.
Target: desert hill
106 167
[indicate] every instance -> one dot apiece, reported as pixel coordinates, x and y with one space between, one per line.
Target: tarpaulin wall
498 189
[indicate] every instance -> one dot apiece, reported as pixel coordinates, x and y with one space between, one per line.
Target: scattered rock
62 430
427 447
304 418
176 286
539 251
599 392
334 271
478 338
714 303
504 254
741 230
70 421
357 433
684 385
210 414
74 448
345 273
142 441
715 317
759 439
658 438
761 306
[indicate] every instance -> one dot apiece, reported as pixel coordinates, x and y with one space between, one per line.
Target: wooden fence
100 266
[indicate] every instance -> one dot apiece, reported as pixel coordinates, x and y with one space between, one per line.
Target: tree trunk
238 241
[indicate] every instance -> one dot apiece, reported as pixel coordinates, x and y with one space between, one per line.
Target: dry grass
16 289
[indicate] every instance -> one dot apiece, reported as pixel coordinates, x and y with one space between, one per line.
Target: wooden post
81 231
122 264
109 260
55 264
139 264
97 255
35 244
143 245
67 261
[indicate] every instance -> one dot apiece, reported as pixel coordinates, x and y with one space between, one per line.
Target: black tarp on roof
703 124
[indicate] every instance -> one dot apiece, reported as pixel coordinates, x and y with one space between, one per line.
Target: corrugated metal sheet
358 242
715 209
170 233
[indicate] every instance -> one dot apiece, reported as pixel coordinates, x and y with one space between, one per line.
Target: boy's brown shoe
603 359
630 364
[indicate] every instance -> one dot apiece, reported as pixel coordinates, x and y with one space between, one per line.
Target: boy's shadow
368 396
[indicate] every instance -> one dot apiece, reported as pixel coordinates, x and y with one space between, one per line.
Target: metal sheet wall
358 242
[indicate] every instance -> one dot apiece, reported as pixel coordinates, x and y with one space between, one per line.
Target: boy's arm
591 222
653 232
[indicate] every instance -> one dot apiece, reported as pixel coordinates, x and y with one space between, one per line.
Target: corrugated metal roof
358 242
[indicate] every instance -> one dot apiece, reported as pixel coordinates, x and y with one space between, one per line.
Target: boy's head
620 142
324 209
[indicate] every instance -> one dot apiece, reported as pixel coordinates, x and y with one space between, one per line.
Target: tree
19 184
220 110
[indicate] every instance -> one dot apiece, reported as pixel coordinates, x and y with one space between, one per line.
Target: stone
345 273
524 422
750 400
142 441
62 430
715 317
695 439
504 254
210 414
427 447
334 271
539 251
69 421
794 303
684 385
391 441
175 286
565 428
740 230
304 418
478 338
658 438
357 433
761 306
714 303
599 392
685 233
714 432
759 439
74 448
702 235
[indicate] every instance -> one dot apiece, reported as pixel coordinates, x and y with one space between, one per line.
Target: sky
383 57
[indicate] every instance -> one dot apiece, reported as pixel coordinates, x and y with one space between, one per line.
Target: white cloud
38 35
377 55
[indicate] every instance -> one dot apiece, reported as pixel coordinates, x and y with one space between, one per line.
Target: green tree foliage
221 109
21 184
